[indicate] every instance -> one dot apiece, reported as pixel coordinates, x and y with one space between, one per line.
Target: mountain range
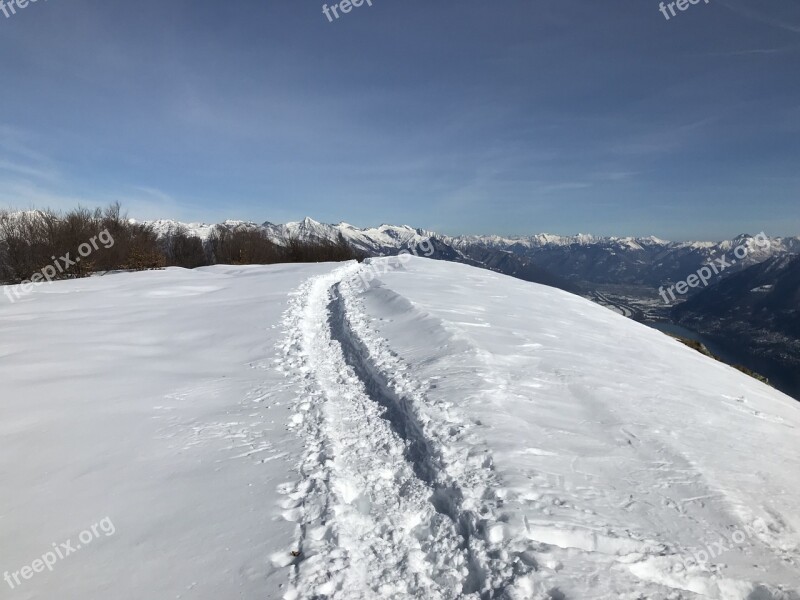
568 262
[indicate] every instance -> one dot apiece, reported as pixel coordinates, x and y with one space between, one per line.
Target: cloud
28 170
667 138
26 194
758 15
754 51
564 186
19 144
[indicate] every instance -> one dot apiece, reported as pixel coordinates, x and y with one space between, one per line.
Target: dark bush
44 239
136 246
33 241
243 247
183 250
320 251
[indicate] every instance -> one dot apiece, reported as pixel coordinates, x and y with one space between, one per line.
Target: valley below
771 355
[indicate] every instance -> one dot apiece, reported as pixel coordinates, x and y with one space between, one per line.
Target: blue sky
467 116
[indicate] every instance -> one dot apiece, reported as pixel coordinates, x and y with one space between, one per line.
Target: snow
437 431
150 399
763 288
622 452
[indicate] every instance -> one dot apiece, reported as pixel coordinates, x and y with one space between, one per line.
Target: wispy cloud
754 51
27 170
666 139
157 194
19 157
564 186
616 175
757 14
20 144
27 195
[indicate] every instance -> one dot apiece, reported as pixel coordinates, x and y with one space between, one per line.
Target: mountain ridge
202 229
579 261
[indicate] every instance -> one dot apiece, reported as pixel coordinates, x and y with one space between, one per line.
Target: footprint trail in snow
384 509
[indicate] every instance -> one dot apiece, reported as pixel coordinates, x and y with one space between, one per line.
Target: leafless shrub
320 250
32 240
243 247
183 250
136 246
27 242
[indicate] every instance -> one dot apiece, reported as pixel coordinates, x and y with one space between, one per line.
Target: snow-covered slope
402 429
149 399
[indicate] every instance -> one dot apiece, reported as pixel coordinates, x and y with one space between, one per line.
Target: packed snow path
383 509
399 498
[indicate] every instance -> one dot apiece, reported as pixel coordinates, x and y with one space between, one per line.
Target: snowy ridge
399 496
544 533
598 468
441 432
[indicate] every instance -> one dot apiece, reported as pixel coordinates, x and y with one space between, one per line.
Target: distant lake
785 379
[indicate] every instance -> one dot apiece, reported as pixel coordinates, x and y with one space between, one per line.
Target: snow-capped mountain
582 259
373 241
646 260
386 240
546 239
202 230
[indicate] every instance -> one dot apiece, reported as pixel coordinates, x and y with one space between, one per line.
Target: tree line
32 240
